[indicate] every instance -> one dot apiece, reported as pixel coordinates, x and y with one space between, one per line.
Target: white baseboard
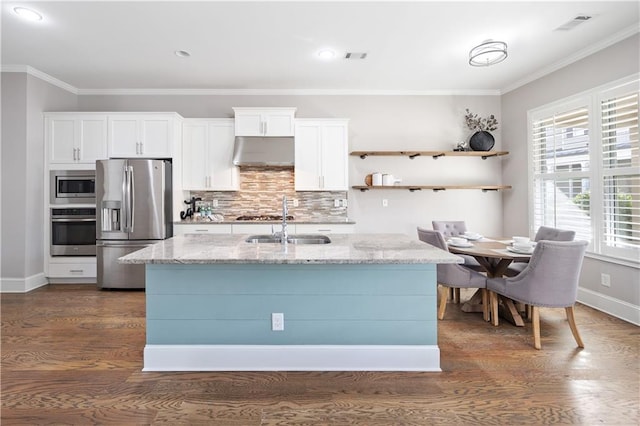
22 285
291 358
607 304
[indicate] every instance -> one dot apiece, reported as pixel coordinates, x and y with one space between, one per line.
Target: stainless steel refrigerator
133 203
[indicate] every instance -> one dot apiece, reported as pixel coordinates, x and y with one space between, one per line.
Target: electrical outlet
385 202
336 203
296 203
277 322
215 202
344 202
605 280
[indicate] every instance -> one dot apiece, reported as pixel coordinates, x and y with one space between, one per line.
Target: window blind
620 171
560 155
585 168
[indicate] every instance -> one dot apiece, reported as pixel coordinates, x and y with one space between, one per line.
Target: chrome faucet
285 211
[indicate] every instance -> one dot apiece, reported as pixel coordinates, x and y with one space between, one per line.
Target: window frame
591 100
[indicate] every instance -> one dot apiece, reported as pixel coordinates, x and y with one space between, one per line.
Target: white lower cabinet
204 228
260 228
72 270
324 228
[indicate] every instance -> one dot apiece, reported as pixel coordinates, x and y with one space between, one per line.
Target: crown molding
41 75
603 44
244 92
286 92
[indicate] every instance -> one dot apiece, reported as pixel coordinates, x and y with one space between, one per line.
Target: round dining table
495 256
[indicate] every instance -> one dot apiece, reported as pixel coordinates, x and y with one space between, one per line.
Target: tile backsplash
261 191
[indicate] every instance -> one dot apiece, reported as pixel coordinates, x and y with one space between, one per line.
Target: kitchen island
361 302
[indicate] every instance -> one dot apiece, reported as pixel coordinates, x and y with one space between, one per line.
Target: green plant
478 123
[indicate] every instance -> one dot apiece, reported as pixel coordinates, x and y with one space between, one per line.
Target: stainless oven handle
73 220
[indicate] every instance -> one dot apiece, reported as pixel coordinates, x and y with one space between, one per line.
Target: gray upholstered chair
449 228
544 233
454 229
550 279
454 275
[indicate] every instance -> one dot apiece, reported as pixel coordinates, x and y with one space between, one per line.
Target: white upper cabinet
142 135
76 138
321 155
207 155
264 121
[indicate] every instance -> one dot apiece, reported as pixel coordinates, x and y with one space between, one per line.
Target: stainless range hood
263 151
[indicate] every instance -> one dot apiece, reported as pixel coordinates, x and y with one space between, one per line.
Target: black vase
481 141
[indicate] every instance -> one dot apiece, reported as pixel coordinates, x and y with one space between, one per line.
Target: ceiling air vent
573 23
355 55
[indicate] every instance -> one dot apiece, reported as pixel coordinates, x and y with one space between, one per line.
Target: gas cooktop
262 217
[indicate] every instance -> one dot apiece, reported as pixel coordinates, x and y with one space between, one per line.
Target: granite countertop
343 249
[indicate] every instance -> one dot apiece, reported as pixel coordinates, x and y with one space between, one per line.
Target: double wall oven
73 228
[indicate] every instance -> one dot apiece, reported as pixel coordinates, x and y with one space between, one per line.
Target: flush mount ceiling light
326 54
488 53
28 14
182 53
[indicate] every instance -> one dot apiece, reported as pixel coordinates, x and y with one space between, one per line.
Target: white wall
377 123
24 99
612 63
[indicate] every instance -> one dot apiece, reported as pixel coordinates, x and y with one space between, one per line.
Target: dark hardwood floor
72 354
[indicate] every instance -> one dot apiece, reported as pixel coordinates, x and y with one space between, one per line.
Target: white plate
515 250
475 237
464 245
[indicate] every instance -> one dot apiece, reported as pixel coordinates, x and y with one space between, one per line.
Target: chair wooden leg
535 321
452 294
528 312
572 324
457 295
494 307
485 304
444 293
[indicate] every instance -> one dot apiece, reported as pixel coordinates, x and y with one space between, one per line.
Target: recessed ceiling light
326 54
182 53
28 14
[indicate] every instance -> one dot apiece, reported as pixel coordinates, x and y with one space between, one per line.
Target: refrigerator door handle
132 199
125 197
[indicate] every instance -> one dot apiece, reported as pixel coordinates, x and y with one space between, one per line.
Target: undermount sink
263 239
292 239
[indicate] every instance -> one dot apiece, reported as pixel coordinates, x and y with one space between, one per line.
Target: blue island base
337 317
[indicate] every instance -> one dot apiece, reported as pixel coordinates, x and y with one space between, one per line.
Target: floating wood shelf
434 154
435 188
